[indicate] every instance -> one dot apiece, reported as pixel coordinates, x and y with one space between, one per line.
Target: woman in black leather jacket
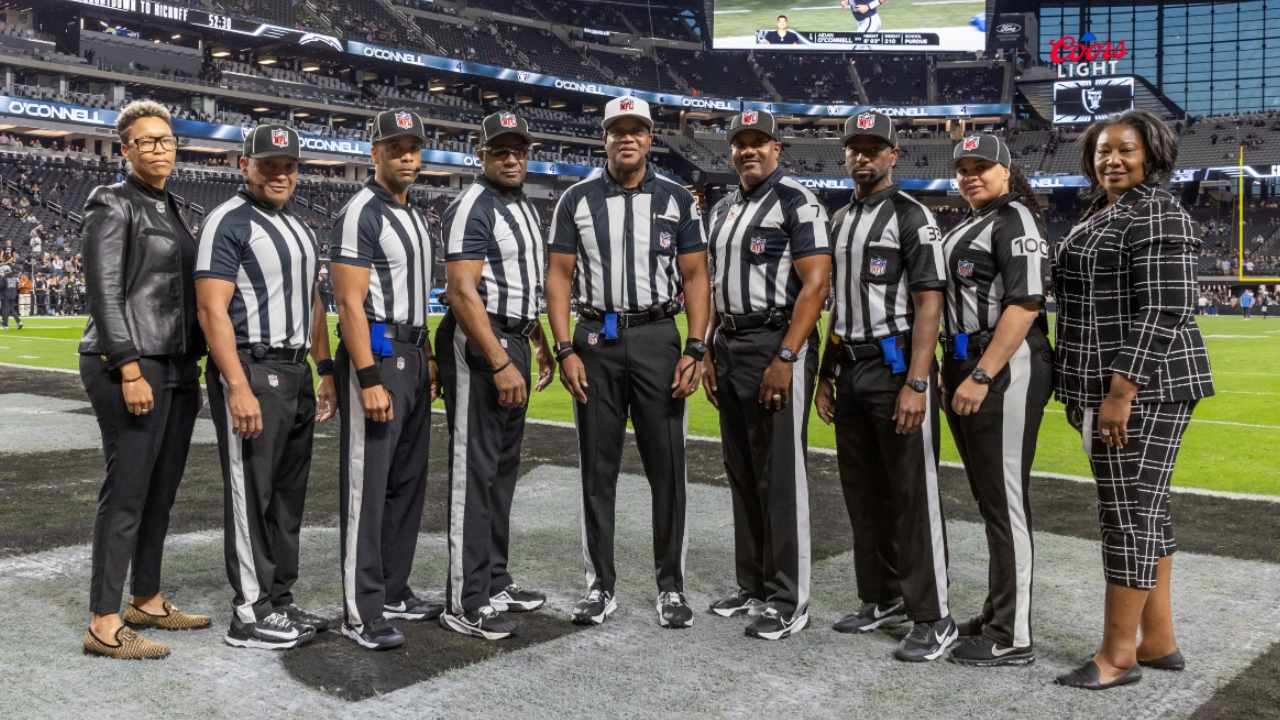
138 363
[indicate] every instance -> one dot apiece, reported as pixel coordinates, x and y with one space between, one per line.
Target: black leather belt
773 317
978 343
870 350
412 334
258 353
515 326
630 320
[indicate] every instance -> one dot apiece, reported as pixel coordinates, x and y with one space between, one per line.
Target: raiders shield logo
280 138
878 266
522 75
1092 99
866 121
404 120
507 119
750 117
665 240
971 143
273 380
626 104
757 245
964 268
399 363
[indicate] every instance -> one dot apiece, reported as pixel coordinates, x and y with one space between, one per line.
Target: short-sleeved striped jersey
627 241
496 224
887 245
756 235
376 232
995 258
271 256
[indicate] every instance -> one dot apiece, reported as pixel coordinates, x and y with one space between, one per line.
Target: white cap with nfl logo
626 106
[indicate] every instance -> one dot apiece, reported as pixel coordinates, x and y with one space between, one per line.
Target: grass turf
828 16
1229 446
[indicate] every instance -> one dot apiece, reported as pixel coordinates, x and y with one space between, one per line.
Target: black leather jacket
134 272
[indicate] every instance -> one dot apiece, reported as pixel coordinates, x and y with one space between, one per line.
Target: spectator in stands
1129 272
8 297
138 363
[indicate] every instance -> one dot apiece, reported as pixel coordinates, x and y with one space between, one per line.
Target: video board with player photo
894 26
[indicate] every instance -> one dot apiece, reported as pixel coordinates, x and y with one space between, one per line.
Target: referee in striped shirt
256 292
386 382
997 377
493 257
879 386
771 260
635 241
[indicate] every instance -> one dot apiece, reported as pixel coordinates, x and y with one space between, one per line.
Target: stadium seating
893 79
818 78
715 75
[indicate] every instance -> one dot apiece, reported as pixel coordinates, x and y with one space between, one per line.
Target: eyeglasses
501 153
619 133
148 144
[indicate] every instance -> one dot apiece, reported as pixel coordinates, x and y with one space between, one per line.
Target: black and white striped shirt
756 235
271 256
627 241
887 245
995 258
496 224
376 232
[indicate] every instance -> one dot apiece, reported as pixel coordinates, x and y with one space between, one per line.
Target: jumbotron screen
1087 100
893 26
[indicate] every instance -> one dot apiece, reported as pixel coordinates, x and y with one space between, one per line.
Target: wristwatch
918 384
787 355
981 377
695 348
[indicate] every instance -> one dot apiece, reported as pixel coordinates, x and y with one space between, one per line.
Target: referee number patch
1028 246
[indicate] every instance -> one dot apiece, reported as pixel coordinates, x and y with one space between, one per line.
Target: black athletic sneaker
378 634
982 651
674 610
514 598
971 627
302 617
927 641
413 608
273 632
871 616
594 608
484 623
772 625
737 604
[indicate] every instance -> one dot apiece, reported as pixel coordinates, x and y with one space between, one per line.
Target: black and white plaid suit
1125 281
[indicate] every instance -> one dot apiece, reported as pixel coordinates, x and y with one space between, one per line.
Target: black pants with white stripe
484 461
998 445
383 478
145 457
766 456
890 484
631 377
264 482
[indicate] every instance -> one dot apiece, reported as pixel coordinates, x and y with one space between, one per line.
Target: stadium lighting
267 61
261 109
221 53
310 68
302 114
176 36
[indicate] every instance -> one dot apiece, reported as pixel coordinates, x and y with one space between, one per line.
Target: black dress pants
383 477
890 484
145 457
766 458
484 462
264 482
8 309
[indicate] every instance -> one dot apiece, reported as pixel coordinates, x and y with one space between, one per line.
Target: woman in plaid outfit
1131 366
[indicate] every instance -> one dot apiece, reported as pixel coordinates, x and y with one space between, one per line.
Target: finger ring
144 412
1105 432
777 398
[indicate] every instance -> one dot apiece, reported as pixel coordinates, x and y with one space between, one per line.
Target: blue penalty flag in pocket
379 343
893 354
962 346
610 330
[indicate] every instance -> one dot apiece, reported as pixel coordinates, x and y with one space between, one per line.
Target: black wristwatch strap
695 348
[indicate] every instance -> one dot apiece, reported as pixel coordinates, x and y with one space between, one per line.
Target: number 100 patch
1026 246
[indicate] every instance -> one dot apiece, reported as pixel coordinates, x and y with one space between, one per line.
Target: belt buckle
526 330
728 321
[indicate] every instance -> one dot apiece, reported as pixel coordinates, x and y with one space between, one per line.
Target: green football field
1233 443
745 17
